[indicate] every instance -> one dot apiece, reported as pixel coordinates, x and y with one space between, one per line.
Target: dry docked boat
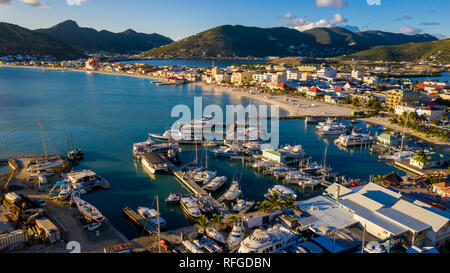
216 183
237 234
88 210
215 235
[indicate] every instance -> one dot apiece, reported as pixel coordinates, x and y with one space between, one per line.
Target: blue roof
328 244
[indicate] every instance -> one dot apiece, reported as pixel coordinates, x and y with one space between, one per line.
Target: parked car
166 244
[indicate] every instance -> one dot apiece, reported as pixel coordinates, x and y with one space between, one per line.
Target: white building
327 72
357 74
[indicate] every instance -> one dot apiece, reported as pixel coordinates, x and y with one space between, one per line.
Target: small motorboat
215 235
174 198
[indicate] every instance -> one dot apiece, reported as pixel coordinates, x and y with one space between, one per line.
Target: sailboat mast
159 234
71 139
43 140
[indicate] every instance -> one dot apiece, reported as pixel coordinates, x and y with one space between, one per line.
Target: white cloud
339 4
409 30
35 3
5 3
75 2
287 16
301 24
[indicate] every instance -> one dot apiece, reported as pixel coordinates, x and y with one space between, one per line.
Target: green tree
263 206
217 219
288 202
274 201
202 222
422 157
233 218
355 102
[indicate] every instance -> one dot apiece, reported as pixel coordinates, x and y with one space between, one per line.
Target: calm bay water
108 113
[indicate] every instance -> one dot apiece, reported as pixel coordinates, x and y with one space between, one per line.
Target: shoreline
296 107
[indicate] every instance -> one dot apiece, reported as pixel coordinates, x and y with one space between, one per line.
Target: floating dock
140 221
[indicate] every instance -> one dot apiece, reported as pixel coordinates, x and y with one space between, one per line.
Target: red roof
339 88
314 89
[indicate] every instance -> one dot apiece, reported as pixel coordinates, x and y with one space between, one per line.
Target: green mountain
89 39
15 40
436 51
229 41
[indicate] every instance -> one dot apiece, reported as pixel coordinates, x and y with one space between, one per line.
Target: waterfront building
401 97
432 113
241 77
386 139
314 93
278 78
434 160
222 77
400 109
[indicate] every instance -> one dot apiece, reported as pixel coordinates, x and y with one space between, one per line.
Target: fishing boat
237 234
154 163
215 235
151 215
233 192
173 198
216 183
190 207
88 210
283 192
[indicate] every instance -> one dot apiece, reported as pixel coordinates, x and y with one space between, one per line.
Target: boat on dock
154 163
216 183
283 192
151 215
237 234
190 207
215 235
353 140
140 221
88 210
233 192
86 180
174 198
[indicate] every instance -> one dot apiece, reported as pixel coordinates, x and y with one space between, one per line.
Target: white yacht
151 215
190 207
148 146
204 177
331 127
216 183
240 205
234 191
237 234
283 191
271 240
353 140
154 163
263 164
215 235
224 151
86 179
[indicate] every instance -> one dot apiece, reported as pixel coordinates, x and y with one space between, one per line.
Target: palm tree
217 219
288 202
422 157
263 206
202 222
274 200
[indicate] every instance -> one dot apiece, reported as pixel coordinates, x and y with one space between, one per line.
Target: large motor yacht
271 240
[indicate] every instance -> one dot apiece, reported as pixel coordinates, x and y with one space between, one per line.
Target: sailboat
74 154
88 210
204 176
46 164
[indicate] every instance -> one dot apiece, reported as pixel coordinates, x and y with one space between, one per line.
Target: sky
178 19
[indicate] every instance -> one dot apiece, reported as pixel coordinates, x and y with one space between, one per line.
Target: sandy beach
296 106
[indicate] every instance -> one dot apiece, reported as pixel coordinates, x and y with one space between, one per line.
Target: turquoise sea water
107 114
